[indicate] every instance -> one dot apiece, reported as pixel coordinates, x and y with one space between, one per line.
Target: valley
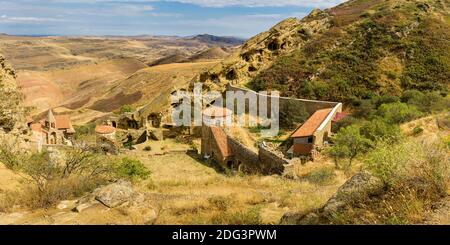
77 73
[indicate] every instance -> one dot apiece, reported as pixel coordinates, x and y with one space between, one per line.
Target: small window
310 140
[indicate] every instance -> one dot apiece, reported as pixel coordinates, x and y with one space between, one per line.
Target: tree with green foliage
378 129
349 143
132 169
398 112
126 109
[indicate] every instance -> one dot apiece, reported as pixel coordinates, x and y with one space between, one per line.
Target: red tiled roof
311 125
104 129
222 141
339 116
63 122
215 111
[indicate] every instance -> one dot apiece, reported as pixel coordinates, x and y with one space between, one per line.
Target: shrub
131 169
88 129
147 148
126 109
417 130
426 102
422 165
11 154
378 129
221 203
398 112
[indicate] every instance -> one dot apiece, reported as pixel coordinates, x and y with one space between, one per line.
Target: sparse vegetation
68 173
126 109
416 175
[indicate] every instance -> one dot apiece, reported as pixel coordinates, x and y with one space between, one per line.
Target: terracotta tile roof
104 129
63 122
222 141
215 111
311 125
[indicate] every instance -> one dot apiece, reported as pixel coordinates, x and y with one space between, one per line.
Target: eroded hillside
84 73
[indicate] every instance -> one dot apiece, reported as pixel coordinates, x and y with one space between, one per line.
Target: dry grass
192 193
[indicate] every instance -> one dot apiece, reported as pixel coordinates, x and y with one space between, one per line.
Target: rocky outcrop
260 51
120 194
115 194
358 189
12 113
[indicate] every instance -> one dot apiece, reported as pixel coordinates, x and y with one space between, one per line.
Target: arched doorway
53 138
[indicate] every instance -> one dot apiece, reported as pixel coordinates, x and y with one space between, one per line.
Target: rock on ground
115 194
361 186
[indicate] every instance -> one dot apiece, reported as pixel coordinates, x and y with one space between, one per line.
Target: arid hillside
75 72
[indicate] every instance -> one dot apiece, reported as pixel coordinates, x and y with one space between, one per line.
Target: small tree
349 143
126 108
132 169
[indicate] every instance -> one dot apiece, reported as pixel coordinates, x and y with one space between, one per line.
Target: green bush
378 129
422 165
87 129
126 108
131 169
417 130
398 112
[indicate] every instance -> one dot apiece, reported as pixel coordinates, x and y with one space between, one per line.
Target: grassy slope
374 47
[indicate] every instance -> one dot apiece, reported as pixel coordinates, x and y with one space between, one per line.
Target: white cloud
262 3
6 19
222 3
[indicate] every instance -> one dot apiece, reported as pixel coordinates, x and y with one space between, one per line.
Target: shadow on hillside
208 163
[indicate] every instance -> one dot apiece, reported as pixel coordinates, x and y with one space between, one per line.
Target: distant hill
217 39
358 49
172 58
209 54
214 53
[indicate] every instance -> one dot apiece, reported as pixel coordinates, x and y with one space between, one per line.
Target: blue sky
241 18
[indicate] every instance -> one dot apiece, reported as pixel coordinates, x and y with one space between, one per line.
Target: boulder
67 204
114 194
84 205
357 189
361 186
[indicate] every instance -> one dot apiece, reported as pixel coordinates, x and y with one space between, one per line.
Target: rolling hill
75 72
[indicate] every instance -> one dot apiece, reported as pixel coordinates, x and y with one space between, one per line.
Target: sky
239 18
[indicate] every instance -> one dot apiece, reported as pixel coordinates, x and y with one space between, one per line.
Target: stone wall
244 158
271 162
286 103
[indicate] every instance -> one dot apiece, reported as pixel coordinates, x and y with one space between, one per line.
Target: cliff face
12 113
355 50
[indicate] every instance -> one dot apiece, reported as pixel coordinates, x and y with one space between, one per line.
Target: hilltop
359 49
